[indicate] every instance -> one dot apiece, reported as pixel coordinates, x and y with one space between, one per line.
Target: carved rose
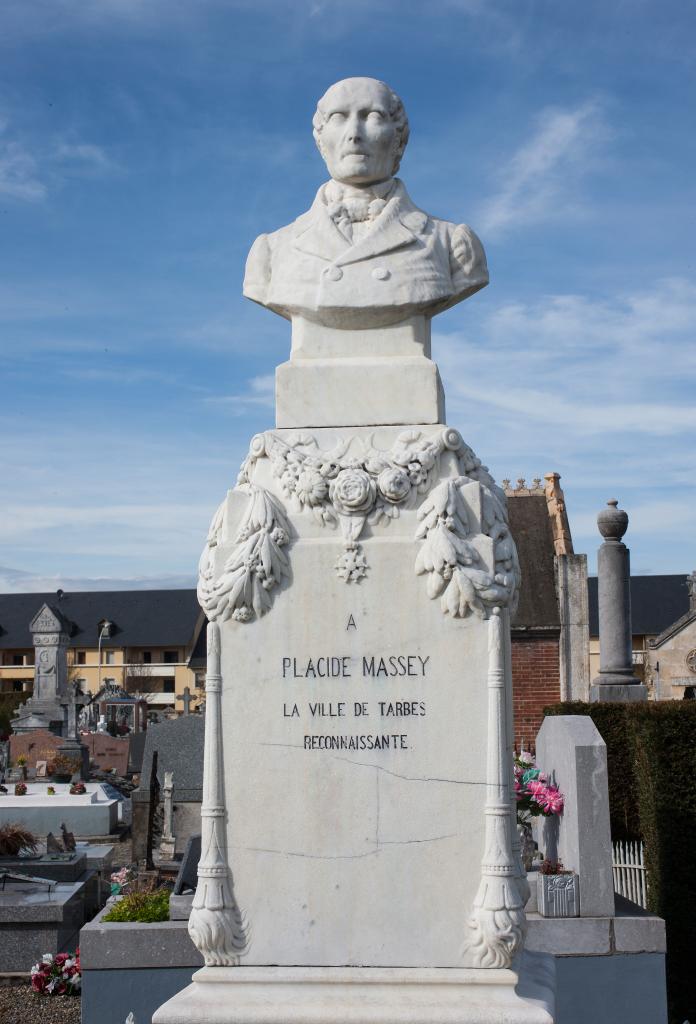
353 491
394 484
311 487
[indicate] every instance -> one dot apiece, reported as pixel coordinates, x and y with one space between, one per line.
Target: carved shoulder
468 256
257 274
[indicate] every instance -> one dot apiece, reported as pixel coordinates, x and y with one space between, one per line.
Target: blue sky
145 143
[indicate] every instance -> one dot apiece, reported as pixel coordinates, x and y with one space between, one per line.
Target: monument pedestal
358 850
347 377
365 995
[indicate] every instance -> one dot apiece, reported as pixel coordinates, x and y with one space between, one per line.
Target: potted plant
64 768
50 790
78 789
22 765
20 789
144 906
557 891
15 840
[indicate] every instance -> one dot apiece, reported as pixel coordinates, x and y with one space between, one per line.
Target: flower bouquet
120 880
57 975
533 792
50 790
20 789
78 789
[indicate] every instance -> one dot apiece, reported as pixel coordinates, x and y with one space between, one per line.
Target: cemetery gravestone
357 826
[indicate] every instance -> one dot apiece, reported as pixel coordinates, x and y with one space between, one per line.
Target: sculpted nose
354 129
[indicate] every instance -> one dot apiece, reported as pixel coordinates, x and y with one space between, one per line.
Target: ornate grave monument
358 855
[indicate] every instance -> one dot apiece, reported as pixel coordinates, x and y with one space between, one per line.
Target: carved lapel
388 233
322 238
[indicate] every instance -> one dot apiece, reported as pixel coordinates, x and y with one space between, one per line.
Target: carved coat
407 263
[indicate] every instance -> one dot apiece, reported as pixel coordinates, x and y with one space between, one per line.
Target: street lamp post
105 630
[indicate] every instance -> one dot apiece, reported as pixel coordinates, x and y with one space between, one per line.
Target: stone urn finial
612 521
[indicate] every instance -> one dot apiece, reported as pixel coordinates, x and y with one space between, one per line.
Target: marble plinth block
327 995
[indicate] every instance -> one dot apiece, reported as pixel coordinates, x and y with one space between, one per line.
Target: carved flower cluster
332 484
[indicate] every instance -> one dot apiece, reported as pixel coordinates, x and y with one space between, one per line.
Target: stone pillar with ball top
358 852
616 680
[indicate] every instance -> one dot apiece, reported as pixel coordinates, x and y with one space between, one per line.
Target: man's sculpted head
361 129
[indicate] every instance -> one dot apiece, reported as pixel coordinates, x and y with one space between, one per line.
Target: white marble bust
364 255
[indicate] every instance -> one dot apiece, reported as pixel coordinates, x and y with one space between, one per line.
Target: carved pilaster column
216 924
498 920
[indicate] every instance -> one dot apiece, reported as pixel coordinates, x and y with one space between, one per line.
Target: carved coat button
334 273
380 274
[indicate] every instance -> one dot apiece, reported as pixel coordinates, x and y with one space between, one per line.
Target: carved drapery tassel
498 921
216 924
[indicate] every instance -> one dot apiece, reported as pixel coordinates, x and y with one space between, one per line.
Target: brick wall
535 683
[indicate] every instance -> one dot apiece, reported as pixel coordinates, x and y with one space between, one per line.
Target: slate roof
530 526
141 618
656 602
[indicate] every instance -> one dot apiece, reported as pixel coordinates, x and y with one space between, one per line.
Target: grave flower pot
558 895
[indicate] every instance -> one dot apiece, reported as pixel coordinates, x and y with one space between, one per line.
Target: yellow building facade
149 643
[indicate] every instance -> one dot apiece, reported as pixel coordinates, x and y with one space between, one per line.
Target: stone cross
186 697
168 842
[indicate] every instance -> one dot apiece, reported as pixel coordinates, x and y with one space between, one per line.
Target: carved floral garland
350 490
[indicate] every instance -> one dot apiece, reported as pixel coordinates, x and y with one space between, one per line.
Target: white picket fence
630 878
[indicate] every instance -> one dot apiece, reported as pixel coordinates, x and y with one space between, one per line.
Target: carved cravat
354 209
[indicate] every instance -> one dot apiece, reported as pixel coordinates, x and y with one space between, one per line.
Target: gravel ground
19 1005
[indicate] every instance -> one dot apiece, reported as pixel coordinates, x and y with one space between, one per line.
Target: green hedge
651 755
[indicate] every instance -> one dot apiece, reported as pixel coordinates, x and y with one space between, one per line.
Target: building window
17 685
170 657
147 657
81 657
109 657
168 686
17 659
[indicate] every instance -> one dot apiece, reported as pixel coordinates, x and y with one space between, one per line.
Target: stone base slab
618 693
365 995
358 392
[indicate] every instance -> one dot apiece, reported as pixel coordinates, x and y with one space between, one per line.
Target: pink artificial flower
552 800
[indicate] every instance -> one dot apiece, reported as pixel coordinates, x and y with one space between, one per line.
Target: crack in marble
348 856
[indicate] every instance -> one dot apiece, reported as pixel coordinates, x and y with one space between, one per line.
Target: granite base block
365 995
108 996
617 693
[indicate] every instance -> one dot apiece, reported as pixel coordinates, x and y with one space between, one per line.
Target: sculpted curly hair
397 114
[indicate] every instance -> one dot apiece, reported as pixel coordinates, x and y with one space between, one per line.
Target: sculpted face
359 138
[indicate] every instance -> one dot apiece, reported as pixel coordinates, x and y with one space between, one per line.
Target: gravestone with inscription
358 856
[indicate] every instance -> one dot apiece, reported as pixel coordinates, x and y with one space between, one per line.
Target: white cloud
588 368
29 170
16 581
19 175
80 156
542 175
261 392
